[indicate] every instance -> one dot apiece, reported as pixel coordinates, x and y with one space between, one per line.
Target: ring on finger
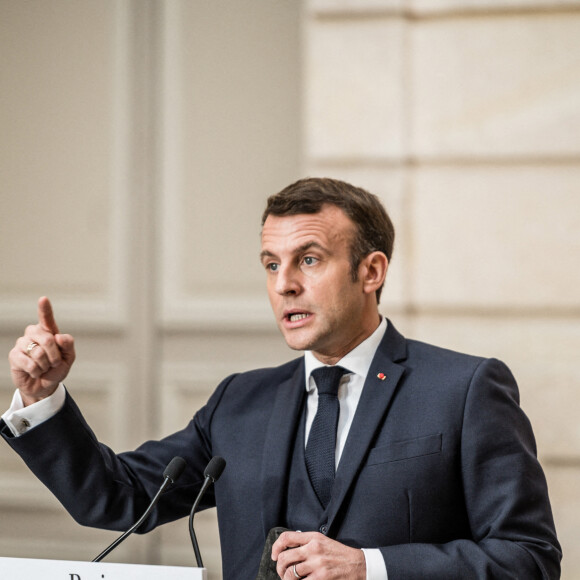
296 573
31 346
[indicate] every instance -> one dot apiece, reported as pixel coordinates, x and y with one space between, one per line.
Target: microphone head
215 468
174 469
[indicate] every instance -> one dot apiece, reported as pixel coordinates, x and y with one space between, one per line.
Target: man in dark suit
433 471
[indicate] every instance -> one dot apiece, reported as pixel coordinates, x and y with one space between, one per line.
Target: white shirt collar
357 361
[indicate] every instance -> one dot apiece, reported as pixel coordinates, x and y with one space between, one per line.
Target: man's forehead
329 217
325 227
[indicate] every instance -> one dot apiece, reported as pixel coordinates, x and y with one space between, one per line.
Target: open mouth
296 316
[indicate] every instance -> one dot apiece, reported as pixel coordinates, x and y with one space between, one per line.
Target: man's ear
373 271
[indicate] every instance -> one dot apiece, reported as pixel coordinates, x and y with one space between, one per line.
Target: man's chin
298 345
297 342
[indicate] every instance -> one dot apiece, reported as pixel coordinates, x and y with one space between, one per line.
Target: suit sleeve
505 493
106 490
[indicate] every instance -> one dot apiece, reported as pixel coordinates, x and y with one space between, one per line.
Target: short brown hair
374 230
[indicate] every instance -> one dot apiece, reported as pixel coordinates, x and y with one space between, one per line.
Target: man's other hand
316 557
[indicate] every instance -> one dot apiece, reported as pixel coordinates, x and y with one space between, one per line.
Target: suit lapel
379 388
279 445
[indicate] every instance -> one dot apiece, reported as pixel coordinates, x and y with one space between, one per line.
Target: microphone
172 472
211 473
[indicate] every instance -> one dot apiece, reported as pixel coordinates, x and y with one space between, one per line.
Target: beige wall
140 139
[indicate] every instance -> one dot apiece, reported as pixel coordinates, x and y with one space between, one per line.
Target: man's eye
309 260
272 267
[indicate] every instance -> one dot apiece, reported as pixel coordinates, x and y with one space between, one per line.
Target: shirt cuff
21 419
376 567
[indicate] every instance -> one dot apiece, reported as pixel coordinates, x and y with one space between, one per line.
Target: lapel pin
381 376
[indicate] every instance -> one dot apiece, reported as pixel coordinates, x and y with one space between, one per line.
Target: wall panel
451 7
347 115
520 232
510 90
230 139
64 151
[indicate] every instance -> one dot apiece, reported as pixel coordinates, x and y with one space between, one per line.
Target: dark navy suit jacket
439 470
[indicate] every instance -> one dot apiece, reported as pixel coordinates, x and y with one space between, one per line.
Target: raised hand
42 358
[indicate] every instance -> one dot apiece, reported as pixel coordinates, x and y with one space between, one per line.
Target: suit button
323 529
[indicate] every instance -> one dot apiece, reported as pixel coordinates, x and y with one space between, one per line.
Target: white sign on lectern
31 569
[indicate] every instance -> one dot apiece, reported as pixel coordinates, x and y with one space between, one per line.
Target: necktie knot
327 379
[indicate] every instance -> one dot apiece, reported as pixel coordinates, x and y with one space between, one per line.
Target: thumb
66 344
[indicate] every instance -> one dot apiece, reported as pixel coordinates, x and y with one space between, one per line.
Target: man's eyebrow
299 250
309 245
266 254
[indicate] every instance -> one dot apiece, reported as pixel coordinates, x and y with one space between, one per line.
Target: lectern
31 569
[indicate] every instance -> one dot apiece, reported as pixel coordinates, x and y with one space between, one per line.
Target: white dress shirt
20 419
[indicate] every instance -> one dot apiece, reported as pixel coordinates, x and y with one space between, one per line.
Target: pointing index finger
46 317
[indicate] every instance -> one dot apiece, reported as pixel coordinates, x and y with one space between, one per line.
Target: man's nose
287 281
